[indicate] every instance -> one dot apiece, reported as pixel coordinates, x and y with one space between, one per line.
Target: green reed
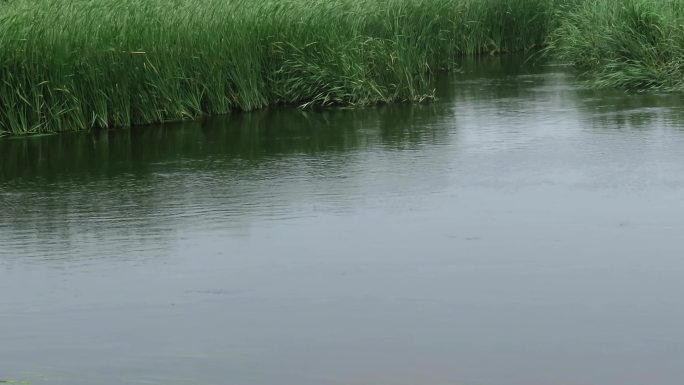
631 44
78 64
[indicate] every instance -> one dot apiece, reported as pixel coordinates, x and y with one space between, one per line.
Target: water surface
519 231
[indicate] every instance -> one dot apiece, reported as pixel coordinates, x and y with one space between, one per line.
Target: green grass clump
630 44
70 65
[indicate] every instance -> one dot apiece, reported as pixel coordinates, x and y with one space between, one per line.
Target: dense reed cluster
631 44
78 64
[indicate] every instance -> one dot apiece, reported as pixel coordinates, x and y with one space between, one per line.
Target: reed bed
630 44
70 65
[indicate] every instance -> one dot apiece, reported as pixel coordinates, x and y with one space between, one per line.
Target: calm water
520 231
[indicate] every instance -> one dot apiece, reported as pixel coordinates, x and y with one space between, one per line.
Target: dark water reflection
518 231
221 172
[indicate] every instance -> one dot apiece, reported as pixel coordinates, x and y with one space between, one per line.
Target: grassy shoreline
82 64
629 44
79 64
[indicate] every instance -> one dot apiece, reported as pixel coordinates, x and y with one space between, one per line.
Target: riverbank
85 64
632 44
103 63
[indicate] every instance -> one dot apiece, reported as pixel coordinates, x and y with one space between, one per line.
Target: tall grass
77 64
631 44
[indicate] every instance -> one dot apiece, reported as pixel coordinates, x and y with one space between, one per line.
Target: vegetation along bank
70 65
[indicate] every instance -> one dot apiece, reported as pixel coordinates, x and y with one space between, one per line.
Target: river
521 230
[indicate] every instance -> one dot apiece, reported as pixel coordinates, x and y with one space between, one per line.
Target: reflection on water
520 230
131 185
